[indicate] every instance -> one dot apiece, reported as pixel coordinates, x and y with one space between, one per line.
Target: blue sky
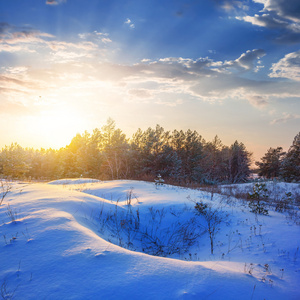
226 68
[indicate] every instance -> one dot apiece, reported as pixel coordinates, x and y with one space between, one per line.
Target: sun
55 128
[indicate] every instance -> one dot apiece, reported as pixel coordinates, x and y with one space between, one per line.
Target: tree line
279 164
179 157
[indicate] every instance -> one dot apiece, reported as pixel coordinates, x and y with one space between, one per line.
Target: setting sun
55 128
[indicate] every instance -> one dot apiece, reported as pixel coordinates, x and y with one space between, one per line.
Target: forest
179 157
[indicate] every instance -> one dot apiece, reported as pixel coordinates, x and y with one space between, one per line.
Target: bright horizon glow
67 66
54 128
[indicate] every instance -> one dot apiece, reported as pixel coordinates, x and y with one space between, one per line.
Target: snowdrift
87 239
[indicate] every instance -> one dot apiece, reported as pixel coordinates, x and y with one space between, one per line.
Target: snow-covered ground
87 239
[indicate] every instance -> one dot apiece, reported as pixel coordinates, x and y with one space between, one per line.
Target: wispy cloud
129 23
23 39
96 36
7 108
232 5
55 2
285 118
140 93
258 101
15 39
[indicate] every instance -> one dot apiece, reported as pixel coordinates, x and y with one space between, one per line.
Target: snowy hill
87 239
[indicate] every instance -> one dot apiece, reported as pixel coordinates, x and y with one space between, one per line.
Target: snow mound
62 241
73 181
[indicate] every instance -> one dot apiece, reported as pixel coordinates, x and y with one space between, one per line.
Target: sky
221 67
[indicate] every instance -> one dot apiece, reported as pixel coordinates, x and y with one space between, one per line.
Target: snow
58 241
74 181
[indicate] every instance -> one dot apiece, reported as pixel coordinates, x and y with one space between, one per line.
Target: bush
260 192
258 208
201 208
213 219
283 204
4 190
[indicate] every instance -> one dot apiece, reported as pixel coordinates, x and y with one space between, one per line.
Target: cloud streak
14 39
285 118
55 2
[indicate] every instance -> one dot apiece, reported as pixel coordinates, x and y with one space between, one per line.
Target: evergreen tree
212 160
270 164
189 153
290 170
239 163
114 150
14 161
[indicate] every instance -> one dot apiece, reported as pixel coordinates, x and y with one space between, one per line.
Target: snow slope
57 243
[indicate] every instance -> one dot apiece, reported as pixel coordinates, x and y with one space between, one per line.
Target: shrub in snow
160 233
159 180
258 208
283 204
201 208
260 192
5 188
213 219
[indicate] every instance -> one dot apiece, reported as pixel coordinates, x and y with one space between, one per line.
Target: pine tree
270 164
290 170
240 160
114 150
14 161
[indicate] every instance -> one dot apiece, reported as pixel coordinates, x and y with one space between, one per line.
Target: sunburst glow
55 128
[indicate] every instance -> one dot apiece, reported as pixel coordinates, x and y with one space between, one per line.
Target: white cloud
287 67
246 60
260 1
265 20
202 78
106 40
205 79
288 9
129 23
283 15
61 56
